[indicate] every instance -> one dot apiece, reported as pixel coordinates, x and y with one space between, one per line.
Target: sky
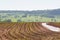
29 4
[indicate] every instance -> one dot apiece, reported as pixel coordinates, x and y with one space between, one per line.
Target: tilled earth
26 31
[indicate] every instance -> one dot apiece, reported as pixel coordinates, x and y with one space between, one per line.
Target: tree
0 18
9 20
18 20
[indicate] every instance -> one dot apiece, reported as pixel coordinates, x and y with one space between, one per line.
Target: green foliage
30 16
9 20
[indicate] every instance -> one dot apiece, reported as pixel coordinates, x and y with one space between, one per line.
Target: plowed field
27 31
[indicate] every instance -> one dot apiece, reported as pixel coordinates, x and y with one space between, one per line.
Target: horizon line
25 10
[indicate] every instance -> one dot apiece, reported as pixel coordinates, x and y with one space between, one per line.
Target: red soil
26 31
57 24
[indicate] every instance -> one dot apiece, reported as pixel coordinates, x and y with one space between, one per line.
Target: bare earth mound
27 31
54 24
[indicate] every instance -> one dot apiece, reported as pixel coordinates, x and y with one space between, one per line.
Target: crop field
27 31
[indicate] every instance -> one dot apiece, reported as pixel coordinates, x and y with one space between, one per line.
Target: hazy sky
29 4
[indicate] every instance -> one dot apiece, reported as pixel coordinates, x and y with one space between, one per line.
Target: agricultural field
27 31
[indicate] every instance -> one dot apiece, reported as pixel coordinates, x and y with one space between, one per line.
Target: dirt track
26 31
